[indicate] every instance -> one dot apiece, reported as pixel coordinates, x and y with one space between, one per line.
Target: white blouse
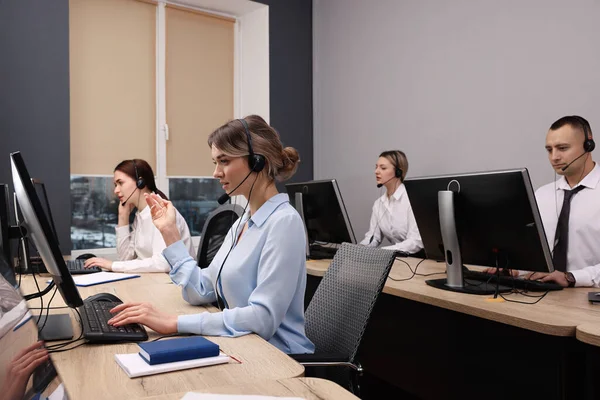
393 219
140 250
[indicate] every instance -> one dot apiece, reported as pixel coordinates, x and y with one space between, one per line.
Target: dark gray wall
290 51
34 98
34 91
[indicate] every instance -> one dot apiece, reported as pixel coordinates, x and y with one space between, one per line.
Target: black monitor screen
325 215
496 214
38 229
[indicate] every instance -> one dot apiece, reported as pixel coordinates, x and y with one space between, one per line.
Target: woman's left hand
163 217
102 263
145 314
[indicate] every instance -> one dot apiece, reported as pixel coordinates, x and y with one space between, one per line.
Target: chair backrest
340 309
215 230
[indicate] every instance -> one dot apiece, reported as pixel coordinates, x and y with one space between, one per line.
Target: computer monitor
37 227
486 218
323 210
40 189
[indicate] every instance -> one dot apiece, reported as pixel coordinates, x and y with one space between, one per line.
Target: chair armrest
325 360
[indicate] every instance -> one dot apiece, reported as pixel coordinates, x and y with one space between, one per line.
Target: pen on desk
230 356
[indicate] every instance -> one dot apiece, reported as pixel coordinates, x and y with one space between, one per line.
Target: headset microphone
123 203
569 164
223 199
381 184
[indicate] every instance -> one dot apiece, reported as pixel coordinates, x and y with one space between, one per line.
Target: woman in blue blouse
258 276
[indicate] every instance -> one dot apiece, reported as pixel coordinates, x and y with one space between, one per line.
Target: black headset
398 170
255 161
589 145
139 181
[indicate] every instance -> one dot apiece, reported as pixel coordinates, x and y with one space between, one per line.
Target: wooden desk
557 314
466 342
90 371
307 388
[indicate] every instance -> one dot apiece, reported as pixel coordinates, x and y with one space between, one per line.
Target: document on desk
208 396
134 365
100 277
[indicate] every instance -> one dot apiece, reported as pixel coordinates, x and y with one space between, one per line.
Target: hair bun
290 159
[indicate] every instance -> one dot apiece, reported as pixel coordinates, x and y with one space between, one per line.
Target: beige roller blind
112 62
199 87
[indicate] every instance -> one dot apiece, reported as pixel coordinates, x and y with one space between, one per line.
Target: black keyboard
96 329
76 267
511 282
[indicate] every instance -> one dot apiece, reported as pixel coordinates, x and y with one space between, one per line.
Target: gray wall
290 62
459 86
34 98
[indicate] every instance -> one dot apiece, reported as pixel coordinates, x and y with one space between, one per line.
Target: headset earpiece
256 162
588 145
398 171
139 181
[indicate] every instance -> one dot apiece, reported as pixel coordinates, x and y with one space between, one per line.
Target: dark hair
576 122
402 161
144 171
281 163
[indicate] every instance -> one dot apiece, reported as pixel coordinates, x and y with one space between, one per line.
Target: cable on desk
539 298
40 329
413 272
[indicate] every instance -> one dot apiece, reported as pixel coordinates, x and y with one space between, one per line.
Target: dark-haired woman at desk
258 276
392 217
139 249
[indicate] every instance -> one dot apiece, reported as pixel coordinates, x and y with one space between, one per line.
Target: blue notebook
180 349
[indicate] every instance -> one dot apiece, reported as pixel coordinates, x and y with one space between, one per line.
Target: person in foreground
138 250
392 217
570 206
258 276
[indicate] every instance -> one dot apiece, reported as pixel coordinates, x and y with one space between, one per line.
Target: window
148 81
94 212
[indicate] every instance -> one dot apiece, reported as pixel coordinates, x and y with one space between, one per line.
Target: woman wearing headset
392 216
258 276
139 248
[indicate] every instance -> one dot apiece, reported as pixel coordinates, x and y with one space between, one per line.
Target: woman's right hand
163 217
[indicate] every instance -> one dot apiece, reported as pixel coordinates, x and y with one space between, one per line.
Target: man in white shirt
570 206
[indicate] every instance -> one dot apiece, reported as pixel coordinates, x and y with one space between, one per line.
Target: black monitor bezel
333 182
62 277
434 253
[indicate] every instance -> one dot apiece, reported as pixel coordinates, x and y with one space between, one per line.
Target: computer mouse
86 256
104 297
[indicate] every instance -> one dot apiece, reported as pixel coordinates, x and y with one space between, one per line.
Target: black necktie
561 238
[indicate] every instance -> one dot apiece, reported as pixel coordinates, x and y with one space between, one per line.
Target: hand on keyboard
145 314
101 263
505 272
556 277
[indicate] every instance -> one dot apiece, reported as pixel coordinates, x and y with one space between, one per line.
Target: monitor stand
58 327
455 281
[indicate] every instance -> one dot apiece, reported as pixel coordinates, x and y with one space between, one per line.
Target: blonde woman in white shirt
392 216
139 249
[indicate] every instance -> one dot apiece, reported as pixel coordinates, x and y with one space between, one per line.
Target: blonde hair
231 139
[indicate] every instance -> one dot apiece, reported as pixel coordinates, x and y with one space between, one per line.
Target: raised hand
163 217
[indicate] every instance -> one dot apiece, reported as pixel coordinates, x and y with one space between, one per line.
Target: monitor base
58 327
470 287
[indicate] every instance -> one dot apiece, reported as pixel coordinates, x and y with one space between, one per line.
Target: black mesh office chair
340 309
214 231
